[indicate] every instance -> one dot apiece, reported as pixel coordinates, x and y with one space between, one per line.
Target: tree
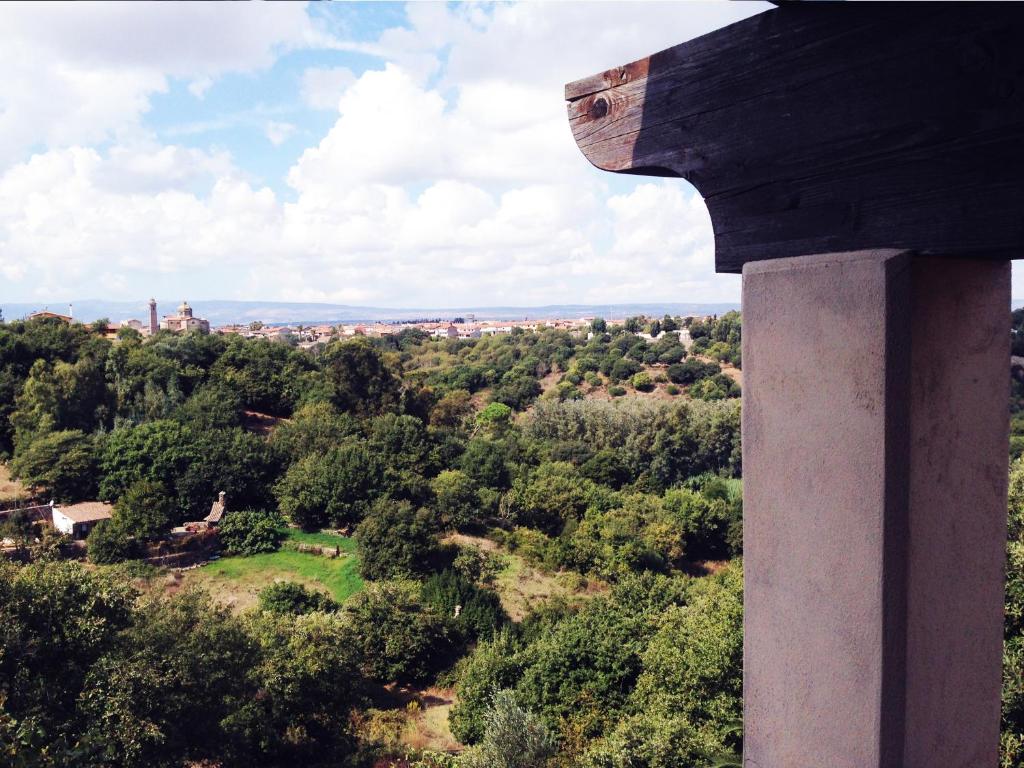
397 637
57 620
395 540
61 464
494 665
552 496
495 417
513 737
292 598
145 511
335 488
598 325
452 410
474 612
314 428
19 527
250 532
455 498
162 701
109 543
361 382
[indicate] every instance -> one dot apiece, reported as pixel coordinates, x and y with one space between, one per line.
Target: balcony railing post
875 433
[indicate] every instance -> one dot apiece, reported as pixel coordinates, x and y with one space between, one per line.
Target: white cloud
81 73
322 88
449 177
200 86
278 133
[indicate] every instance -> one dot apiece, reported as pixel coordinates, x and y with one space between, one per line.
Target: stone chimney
152 317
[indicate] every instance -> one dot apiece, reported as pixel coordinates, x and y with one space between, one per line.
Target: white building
76 520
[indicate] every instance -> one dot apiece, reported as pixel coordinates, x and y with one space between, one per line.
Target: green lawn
322 539
237 581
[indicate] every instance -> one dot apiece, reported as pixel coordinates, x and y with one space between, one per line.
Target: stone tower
152 317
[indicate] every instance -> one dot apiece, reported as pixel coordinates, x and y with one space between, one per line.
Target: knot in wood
599 108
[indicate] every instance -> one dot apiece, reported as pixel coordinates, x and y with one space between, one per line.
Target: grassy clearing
521 587
322 539
11 490
237 581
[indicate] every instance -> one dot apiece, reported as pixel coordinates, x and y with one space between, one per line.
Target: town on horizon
308 336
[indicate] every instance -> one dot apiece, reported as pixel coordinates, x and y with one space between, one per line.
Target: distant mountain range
280 313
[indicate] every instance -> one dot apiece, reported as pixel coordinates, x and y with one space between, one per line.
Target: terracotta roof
86 511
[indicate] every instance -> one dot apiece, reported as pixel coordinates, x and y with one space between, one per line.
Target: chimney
221 497
152 317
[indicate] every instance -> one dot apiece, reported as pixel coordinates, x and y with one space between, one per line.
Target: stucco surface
875 445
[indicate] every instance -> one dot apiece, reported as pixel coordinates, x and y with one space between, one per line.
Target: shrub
108 543
292 598
642 382
513 737
479 610
249 532
672 389
616 391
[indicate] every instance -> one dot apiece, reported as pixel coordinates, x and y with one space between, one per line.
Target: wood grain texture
830 127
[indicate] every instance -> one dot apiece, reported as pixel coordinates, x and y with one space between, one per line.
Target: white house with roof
76 520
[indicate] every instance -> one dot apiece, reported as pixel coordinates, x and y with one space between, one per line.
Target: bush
292 598
642 382
672 389
249 532
513 737
616 391
479 610
108 543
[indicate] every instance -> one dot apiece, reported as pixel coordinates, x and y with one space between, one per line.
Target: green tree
398 638
57 620
493 665
513 737
145 511
109 543
395 539
455 498
335 488
292 598
361 381
61 464
250 532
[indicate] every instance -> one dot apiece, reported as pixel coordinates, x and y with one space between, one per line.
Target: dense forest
609 458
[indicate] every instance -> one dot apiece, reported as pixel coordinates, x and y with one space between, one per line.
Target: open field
11 490
237 581
520 586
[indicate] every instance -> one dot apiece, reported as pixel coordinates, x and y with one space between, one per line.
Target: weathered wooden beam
816 128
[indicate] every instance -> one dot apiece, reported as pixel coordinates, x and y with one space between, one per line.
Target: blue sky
365 153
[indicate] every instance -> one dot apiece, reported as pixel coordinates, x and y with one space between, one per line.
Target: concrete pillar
875 455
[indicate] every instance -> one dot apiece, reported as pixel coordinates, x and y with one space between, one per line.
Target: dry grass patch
522 587
11 490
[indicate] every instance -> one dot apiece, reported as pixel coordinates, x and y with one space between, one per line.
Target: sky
378 154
